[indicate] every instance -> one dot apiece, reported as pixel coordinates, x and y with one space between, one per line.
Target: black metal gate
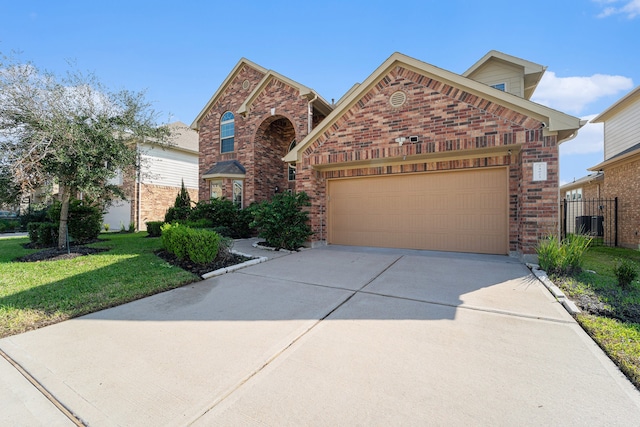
597 218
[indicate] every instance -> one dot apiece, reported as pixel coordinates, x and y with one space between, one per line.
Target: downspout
310 114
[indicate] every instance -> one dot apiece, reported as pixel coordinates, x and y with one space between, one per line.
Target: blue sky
180 52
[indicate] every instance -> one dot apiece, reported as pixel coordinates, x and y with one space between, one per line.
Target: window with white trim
216 189
500 86
292 166
227 132
238 185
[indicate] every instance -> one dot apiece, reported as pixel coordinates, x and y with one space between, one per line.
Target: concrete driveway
330 336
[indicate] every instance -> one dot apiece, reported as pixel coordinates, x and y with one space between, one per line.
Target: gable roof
618 106
224 85
564 125
532 72
322 105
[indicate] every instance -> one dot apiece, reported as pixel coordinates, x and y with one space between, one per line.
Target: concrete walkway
331 336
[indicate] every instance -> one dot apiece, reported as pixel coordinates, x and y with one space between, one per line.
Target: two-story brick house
621 165
413 157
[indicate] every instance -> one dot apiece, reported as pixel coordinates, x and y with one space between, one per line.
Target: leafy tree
70 130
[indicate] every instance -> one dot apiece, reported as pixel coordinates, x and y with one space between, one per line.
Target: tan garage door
462 211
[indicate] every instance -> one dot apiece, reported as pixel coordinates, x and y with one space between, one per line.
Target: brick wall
446 120
155 200
623 181
277 116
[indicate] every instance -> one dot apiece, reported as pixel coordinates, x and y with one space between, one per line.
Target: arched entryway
273 140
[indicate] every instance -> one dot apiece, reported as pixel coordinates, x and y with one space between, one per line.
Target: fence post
615 219
563 232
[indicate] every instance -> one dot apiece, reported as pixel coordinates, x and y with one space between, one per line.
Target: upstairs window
227 132
500 86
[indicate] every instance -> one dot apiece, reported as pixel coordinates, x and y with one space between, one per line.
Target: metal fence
597 218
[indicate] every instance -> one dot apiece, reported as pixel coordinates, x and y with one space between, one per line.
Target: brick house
163 169
413 157
621 165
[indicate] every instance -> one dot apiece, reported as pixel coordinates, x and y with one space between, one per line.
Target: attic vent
245 84
397 99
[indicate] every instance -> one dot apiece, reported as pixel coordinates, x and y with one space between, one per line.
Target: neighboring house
154 189
414 157
582 196
621 165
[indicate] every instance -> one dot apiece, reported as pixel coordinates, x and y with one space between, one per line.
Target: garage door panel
463 211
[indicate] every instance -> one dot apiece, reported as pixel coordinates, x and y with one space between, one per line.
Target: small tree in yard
282 221
69 130
181 207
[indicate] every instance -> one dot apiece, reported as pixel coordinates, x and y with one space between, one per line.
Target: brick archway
273 138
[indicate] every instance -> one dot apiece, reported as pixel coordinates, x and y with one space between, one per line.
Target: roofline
620 104
564 125
302 89
598 176
529 67
223 86
615 159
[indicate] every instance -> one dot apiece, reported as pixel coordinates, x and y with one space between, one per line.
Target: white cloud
573 94
589 140
630 8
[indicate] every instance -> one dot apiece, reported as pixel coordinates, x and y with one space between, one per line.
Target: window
574 194
500 86
227 132
216 189
292 166
237 192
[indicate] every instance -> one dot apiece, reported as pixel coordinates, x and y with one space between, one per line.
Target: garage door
462 211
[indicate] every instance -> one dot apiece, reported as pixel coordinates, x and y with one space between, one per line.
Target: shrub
282 222
9 225
625 271
242 222
199 223
37 215
202 246
85 220
43 234
181 208
198 245
220 212
153 228
562 257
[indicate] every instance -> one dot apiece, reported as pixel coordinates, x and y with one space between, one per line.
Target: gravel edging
555 291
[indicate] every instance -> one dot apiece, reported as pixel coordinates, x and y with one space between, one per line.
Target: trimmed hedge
200 246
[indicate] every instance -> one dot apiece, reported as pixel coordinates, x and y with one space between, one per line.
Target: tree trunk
64 217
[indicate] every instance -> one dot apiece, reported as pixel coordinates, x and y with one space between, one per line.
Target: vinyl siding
494 72
169 167
621 131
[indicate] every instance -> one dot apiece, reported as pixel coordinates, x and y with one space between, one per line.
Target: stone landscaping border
555 291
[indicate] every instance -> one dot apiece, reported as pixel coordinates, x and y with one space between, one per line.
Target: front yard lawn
611 315
34 294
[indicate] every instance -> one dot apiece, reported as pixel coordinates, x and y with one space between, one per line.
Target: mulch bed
55 254
200 269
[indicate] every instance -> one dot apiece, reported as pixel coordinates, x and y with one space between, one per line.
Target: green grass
611 315
35 294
